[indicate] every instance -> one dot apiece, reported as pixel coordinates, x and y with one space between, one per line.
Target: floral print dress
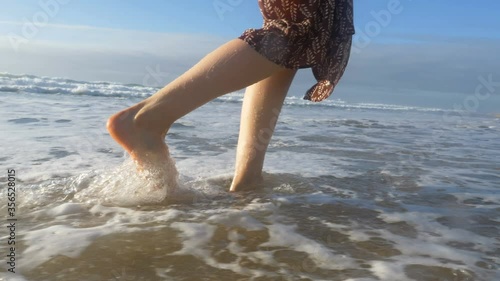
313 34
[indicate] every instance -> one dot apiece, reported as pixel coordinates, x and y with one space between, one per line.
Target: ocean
352 191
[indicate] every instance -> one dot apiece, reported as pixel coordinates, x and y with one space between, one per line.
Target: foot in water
145 146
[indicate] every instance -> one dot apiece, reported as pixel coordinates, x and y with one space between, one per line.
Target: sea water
352 191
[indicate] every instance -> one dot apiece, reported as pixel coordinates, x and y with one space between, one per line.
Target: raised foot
146 148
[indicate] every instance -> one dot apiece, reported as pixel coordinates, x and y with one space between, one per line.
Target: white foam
126 186
389 271
287 236
66 209
486 197
430 247
433 237
11 277
47 242
54 85
71 172
44 244
196 237
233 218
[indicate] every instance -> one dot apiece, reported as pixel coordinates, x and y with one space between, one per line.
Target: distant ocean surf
352 192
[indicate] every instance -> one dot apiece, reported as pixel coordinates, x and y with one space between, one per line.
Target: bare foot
135 140
146 148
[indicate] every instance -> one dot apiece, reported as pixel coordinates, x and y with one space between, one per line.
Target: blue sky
443 17
426 46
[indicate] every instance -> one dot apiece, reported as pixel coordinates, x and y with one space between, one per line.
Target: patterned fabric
306 33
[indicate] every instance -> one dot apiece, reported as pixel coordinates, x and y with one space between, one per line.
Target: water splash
125 185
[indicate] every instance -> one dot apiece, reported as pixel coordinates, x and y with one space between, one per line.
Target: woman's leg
141 129
261 108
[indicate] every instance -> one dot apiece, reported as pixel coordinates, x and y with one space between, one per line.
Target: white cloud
129 56
91 53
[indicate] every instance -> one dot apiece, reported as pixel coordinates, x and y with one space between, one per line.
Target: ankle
147 118
247 182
